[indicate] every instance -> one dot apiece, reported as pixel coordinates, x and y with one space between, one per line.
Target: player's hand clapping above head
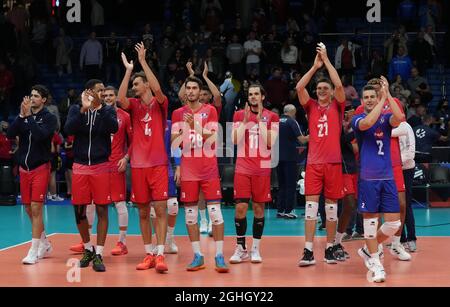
141 51
128 65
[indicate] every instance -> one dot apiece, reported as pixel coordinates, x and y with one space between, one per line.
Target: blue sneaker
197 264
221 267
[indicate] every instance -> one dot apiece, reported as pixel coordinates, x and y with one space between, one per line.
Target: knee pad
331 211
80 213
152 212
215 214
390 228
191 215
370 228
121 208
311 210
172 207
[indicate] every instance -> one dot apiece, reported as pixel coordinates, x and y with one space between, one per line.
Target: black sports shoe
308 258
329 256
339 253
98 265
88 256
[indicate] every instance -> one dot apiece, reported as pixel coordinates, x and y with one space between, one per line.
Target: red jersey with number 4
148 124
119 139
396 156
254 155
325 127
198 160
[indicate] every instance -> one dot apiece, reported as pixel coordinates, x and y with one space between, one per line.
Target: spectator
345 58
19 16
421 52
327 20
6 86
38 37
53 108
211 13
430 38
150 56
112 58
307 52
252 49
64 46
238 30
400 65
91 57
242 98
277 90
377 65
66 103
398 87
419 112
394 43
229 90
214 66
187 34
289 54
351 94
235 54
271 50
128 50
97 16
442 116
419 86
6 144
147 34
164 53
428 13
290 138
407 13
426 137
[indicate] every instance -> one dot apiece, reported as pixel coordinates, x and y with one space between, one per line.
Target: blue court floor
15 227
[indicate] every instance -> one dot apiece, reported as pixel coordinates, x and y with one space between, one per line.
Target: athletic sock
309 246
219 248
148 249
99 250
196 248
123 236
338 239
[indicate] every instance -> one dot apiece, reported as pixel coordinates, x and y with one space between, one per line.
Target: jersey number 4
323 130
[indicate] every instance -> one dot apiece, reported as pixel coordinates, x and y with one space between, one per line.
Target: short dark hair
368 88
194 79
41 89
258 85
374 81
141 75
206 88
111 88
92 83
325 80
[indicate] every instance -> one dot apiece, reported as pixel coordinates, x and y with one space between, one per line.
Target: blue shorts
172 187
378 196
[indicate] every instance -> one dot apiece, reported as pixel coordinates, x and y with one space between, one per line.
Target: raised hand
260 110
140 49
128 65
25 108
318 63
205 71
189 119
189 68
86 101
246 113
323 53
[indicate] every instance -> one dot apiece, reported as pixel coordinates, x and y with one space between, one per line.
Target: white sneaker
203 226
45 249
170 247
255 256
240 255
399 251
210 232
377 269
31 258
364 254
412 246
57 198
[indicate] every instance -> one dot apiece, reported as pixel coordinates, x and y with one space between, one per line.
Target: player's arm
122 99
302 92
154 84
370 120
398 115
339 92
44 131
74 120
401 130
212 87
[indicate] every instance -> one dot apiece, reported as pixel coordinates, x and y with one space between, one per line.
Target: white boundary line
27 242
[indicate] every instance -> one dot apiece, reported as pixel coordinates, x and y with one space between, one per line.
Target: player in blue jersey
377 189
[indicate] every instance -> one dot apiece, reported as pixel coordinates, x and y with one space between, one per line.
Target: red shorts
118 186
350 184
149 184
91 184
327 177
211 190
33 184
399 180
256 188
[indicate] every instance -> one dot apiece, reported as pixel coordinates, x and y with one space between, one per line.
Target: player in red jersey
195 129
324 164
397 248
209 94
255 130
149 173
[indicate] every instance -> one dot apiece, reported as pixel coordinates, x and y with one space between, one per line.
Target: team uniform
253 169
324 166
199 168
149 173
349 167
172 186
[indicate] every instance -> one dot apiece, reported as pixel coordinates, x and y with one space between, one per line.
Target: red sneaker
77 248
148 263
161 266
119 250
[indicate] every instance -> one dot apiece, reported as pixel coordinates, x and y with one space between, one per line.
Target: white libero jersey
407 141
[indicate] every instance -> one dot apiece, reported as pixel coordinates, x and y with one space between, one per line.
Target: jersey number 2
380 148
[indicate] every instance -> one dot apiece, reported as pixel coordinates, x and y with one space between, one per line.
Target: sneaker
210 231
88 256
339 253
45 249
364 254
221 267
357 236
203 226
280 215
170 246
57 198
31 258
329 256
255 256
347 237
160 265
399 251
412 246
308 258
377 270
197 264
97 264
77 248
291 215
120 249
240 255
147 263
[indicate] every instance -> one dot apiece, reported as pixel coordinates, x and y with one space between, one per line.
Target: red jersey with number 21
325 127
